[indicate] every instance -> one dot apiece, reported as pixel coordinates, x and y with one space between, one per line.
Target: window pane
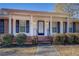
22 25
27 26
22 28
70 30
71 27
54 27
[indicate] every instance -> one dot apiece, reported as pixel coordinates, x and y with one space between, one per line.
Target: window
27 26
22 25
1 26
71 27
17 26
54 27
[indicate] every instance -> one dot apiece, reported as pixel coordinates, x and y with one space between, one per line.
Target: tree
72 9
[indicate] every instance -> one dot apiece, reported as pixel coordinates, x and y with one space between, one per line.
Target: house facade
36 23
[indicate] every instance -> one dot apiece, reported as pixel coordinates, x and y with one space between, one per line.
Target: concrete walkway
46 51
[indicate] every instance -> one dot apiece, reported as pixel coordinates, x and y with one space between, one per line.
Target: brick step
43 38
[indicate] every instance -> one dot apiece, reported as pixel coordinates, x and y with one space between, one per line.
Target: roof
18 10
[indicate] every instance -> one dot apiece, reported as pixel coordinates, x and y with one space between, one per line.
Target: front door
40 27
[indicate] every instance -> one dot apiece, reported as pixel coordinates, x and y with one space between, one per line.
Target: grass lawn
68 50
63 50
18 51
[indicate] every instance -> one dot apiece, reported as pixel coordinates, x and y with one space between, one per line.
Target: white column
31 26
61 26
50 25
46 27
67 25
14 26
35 28
10 24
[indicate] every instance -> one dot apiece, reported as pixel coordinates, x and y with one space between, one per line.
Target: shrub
59 39
69 39
0 39
20 39
7 39
76 39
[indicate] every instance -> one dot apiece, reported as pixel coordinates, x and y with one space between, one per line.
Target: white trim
14 26
50 25
24 26
9 24
68 25
61 26
54 25
31 26
46 26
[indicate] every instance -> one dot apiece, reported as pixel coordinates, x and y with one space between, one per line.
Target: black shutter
1 25
17 26
74 27
65 27
27 26
58 25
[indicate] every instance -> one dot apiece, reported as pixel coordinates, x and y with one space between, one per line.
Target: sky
29 6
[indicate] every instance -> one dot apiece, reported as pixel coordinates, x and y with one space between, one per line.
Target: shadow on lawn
23 46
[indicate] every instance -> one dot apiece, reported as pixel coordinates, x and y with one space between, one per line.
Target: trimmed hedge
59 39
7 40
20 39
66 38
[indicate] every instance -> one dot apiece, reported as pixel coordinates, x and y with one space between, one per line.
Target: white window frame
54 27
25 26
71 27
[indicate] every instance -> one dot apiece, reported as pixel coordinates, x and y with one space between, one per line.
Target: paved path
46 51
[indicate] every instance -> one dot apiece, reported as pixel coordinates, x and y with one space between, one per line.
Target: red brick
6 26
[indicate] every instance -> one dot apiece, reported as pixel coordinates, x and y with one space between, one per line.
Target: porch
37 28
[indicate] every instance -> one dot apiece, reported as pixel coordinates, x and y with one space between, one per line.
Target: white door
40 27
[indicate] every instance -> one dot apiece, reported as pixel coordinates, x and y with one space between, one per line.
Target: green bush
66 38
73 39
76 39
69 39
59 39
7 40
20 39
